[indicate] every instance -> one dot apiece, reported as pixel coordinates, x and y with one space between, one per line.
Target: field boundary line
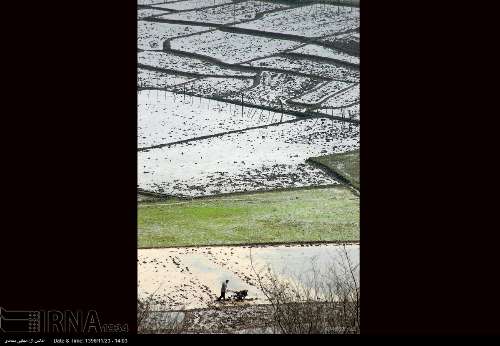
325 98
240 66
216 135
155 6
264 244
190 74
240 193
321 59
259 15
303 115
336 175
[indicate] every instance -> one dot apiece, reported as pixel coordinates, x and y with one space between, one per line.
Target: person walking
223 290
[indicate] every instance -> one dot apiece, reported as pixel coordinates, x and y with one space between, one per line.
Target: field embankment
345 166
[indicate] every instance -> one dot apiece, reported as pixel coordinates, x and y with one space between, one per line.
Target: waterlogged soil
252 56
314 20
252 160
232 48
226 14
152 35
191 4
190 278
165 117
166 61
329 53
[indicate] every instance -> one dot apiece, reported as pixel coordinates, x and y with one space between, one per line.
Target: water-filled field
190 278
234 98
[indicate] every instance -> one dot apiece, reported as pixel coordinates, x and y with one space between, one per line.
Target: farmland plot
190 277
225 14
172 62
344 99
347 36
149 12
151 2
308 21
327 213
308 66
274 87
348 42
345 165
231 48
329 53
165 117
260 71
257 159
350 112
152 35
161 80
191 4
213 86
321 93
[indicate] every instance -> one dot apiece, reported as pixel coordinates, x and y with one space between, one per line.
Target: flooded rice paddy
166 117
271 157
190 278
290 76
